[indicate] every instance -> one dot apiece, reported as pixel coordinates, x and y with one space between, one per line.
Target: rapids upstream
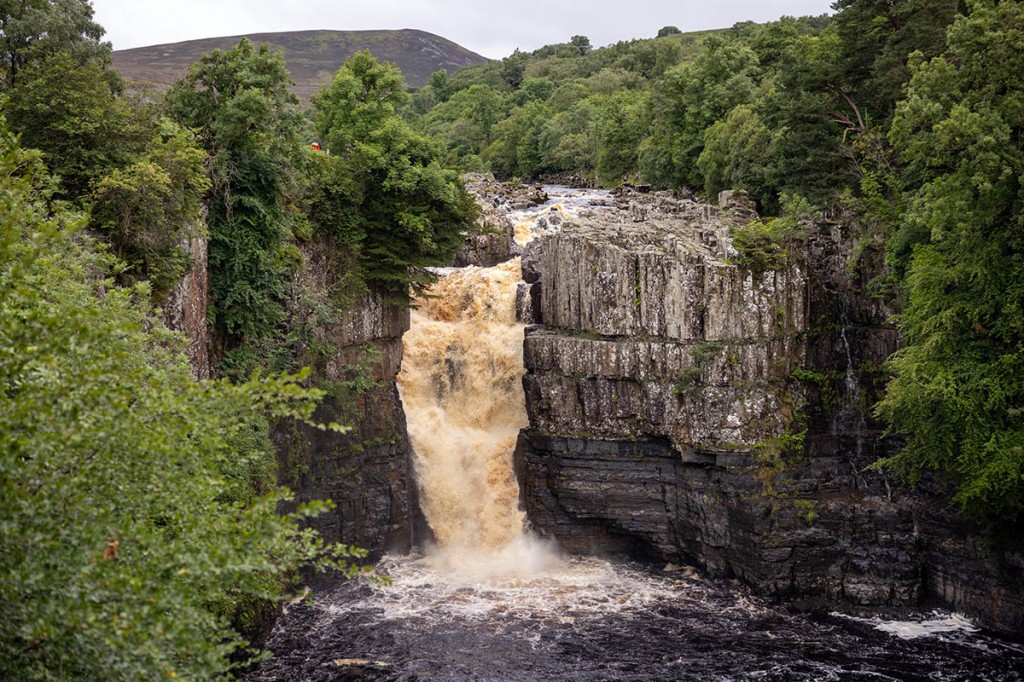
487 601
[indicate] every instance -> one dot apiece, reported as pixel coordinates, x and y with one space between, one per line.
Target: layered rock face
354 348
682 408
355 356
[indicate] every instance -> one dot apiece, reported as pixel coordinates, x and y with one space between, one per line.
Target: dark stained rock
366 471
685 410
187 303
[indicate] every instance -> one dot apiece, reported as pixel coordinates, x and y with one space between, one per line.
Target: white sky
493 29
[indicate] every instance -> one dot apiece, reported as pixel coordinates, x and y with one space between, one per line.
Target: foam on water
927 625
563 203
443 585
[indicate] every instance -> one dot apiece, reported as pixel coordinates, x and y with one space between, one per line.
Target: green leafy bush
762 245
136 512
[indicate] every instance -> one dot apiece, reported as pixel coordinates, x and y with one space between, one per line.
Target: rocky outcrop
354 348
492 241
187 303
684 409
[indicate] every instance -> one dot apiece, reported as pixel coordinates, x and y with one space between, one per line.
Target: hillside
312 56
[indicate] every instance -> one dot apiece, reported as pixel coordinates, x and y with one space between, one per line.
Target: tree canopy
31 30
958 394
383 187
238 102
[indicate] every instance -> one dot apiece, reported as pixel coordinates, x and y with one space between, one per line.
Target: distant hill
312 56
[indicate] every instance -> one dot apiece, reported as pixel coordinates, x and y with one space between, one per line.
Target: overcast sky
491 28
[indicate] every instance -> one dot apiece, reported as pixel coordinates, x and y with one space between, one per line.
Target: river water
488 601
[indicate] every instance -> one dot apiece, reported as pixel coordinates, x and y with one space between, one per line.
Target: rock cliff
352 341
492 240
187 303
355 351
682 408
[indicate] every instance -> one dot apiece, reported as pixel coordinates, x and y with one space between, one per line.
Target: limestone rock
739 203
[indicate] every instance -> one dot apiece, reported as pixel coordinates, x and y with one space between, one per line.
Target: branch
861 127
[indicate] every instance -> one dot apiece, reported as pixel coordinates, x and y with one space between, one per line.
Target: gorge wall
351 339
685 409
354 348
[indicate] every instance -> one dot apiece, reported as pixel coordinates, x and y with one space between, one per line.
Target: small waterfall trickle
851 418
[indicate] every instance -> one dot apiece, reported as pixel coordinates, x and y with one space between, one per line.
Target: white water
569 591
461 385
548 217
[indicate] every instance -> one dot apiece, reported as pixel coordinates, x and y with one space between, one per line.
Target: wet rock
682 409
367 471
492 240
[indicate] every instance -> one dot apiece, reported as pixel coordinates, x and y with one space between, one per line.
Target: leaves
238 102
383 189
135 509
958 393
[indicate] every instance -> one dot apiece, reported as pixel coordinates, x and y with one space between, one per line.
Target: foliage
876 39
383 189
737 155
620 126
38 29
689 100
69 111
135 516
958 393
238 102
149 207
763 245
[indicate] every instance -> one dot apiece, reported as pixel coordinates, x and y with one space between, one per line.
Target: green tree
623 121
876 39
68 110
149 207
37 29
690 99
383 188
958 391
130 532
810 158
238 102
581 44
569 140
738 155
439 81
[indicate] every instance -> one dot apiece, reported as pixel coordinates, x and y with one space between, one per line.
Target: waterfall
489 601
461 384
